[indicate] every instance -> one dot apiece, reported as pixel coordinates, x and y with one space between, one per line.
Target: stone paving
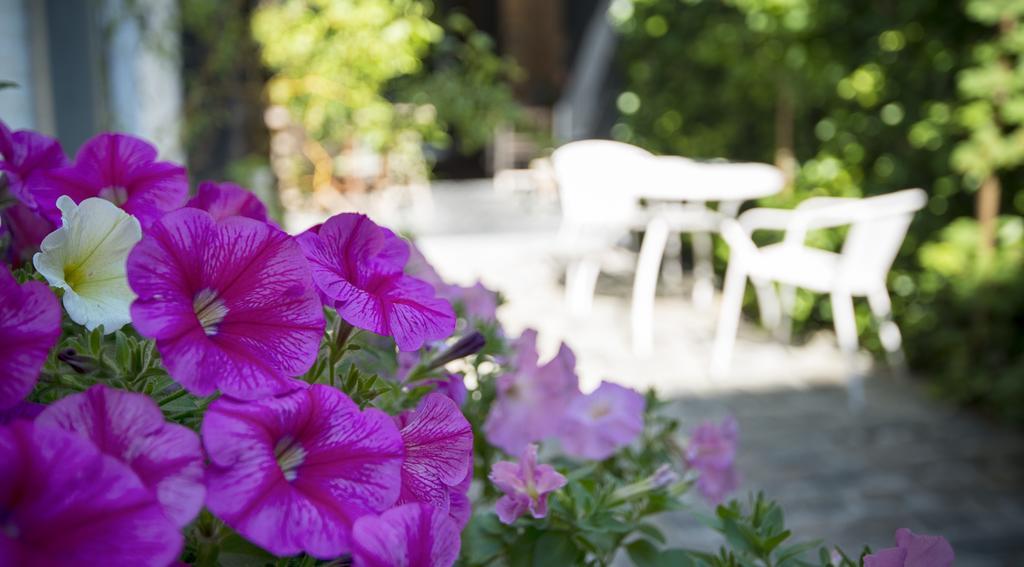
846 477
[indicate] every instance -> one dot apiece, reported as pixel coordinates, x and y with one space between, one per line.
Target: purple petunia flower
452 386
712 453
478 303
461 509
66 503
131 428
293 473
411 535
532 399
29 327
357 267
438 450
121 169
913 550
526 486
224 200
21 410
27 156
230 304
597 425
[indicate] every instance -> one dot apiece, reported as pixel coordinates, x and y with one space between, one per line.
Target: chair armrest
737 237
765 219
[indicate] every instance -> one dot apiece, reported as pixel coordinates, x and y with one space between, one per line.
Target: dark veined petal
29 327
411 535
131 428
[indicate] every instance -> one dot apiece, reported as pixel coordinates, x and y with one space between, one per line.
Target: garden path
847 478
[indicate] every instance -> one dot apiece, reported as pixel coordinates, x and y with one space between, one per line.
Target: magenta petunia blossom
224 200
477 302
29 327
66 503
438 451
131 428
526 486
597 425
913 550
411 535
461 509
451 385
121 169
293 473
230 304
712 453
357 267
531 399
21 410
27 156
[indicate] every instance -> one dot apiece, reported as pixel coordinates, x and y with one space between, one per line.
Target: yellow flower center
210 310
289 455
600 410
115 194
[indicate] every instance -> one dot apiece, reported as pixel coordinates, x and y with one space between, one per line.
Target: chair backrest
597 180
876 233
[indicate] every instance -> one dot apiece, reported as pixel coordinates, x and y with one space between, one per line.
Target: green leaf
652 531
555 548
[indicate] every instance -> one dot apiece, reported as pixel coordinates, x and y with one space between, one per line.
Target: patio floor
847 478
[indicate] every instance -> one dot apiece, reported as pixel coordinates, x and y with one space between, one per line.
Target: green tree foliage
387 74
333 58
867 98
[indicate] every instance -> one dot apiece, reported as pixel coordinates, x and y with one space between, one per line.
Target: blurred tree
993 110
870 97
381 74
224 81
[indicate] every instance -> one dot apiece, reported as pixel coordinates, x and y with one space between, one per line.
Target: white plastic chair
597 181
678 190
878 226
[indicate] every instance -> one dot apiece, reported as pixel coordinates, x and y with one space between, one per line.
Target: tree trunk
987 208
784 119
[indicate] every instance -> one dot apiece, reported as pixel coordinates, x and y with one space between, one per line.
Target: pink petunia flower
461 509
913 550
121 169
131 428
597 425
22 410
29 327
712 453
438 451
27 156
224 200
230 304
531 399
357 266
411 535
66 503
294 473
526 486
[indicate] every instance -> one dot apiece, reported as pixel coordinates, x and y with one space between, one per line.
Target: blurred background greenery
848 98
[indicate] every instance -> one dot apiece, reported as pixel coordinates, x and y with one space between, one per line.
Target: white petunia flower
86 258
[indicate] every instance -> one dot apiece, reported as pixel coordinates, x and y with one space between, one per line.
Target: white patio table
677 192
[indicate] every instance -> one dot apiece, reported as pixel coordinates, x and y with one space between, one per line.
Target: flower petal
438 448
411 535
29 328
131 428
72 505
